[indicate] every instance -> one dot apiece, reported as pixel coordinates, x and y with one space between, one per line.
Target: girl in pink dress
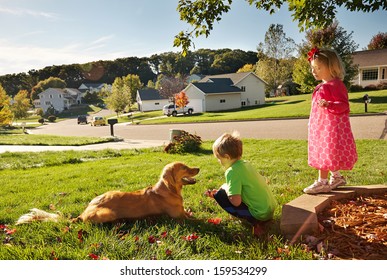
331 146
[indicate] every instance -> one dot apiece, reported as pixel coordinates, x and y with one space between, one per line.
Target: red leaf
136 238
10 231
81 233
168 252
191 237
164 234
93 256
152 239
215 221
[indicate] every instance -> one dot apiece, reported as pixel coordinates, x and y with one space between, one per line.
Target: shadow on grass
374 99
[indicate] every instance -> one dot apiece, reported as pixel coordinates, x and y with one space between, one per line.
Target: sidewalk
127 144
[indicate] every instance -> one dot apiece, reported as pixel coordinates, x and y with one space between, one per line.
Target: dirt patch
353 229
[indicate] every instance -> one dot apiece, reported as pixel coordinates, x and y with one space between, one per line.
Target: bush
51 118
41 120
184 143
355 88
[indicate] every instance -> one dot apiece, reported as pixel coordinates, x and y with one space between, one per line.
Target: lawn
67 181
278 107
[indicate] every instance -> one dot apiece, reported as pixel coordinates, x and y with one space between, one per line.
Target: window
157 103
243 88
384 70
51 96
370 74
243 103
47 103
222 100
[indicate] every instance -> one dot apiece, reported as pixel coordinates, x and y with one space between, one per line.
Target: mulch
354 229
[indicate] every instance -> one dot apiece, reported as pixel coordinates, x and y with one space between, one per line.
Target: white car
173 110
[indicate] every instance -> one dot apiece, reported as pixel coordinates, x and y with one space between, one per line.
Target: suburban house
92 87
150 100
58 98
226 91
372 67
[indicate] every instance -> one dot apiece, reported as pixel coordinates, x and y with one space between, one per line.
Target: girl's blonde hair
228 144
331 59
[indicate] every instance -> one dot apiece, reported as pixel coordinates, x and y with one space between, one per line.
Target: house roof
93 85
235 77
150 94
67 92
370 58
216 87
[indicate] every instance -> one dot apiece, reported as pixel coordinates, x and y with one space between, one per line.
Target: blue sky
40 33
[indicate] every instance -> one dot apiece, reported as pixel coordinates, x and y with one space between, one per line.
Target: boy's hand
210 193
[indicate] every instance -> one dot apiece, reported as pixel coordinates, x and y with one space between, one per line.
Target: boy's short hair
330 58
228 144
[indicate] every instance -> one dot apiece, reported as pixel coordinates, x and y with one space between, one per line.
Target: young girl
245 194
331 146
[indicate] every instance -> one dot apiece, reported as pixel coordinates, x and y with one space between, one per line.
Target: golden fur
162 198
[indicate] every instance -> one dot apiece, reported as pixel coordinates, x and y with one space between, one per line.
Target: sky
39 33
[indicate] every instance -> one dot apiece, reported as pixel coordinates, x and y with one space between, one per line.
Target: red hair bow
312 53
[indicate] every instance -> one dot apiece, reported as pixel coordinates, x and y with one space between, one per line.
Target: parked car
97 120
82 119
173 110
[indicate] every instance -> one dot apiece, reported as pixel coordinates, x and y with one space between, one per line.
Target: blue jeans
241 211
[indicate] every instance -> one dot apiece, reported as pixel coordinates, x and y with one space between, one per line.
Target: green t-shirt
243 179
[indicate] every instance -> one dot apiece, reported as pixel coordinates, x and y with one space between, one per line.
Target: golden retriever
162 198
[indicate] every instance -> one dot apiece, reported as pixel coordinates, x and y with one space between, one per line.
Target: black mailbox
112 121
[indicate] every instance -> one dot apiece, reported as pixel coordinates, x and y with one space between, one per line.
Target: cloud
25 12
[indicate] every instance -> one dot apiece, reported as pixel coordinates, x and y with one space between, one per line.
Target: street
364 127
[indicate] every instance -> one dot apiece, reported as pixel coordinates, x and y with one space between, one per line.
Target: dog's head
177 174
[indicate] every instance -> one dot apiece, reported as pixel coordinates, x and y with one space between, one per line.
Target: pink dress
331 145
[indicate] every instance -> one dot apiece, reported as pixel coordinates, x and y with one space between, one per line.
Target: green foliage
51 118
201 14
184 143
51 82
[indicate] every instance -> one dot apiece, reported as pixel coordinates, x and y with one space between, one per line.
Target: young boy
245 194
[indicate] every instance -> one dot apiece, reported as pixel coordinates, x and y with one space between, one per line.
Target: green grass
16 137
278 107
67 181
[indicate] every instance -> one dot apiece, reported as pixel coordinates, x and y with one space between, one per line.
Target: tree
334 37
379 41
133 83
51 82
274 65
119 99
201 14
6 115
21 105
181 99
246 68
169 86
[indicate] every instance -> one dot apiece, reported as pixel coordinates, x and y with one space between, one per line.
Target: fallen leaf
93 256
215 221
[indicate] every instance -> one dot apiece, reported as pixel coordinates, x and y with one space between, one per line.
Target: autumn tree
181 99
21 105
202 14
379 41
6 115
168 87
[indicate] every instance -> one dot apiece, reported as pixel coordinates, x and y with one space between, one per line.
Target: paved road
364 127
142 136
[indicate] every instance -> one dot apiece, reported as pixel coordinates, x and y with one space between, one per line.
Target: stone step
299 216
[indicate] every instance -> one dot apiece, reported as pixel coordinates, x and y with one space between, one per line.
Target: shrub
41 120
355 88
184 143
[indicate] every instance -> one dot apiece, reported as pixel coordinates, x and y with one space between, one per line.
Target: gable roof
234 77
216 87
150 94
370 58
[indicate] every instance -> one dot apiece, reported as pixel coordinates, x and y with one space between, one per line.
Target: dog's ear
168 177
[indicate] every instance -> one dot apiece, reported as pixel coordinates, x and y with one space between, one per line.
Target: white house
58 98
150 100
372 67
226 91
92 87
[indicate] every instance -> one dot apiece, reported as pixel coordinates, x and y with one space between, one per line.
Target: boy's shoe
336 181
318 187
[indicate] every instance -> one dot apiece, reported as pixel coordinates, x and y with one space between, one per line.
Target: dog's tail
38 215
